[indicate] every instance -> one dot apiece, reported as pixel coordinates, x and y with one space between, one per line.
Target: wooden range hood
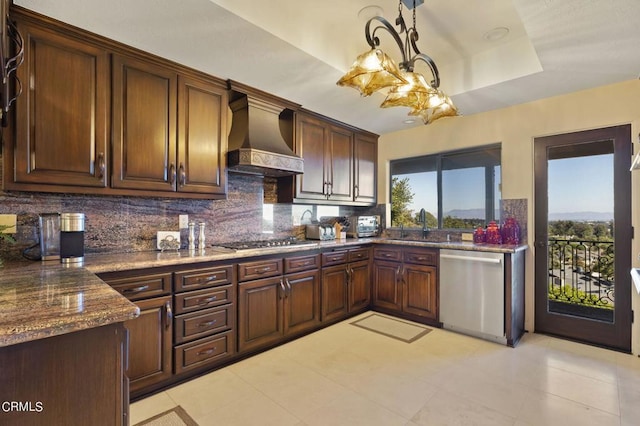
261 137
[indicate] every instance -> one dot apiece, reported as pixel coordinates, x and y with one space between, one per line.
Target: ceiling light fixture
375 70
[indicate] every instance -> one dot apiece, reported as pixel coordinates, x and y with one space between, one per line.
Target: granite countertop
112 262
39 301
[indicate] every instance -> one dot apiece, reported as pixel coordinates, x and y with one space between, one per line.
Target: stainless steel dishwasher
472 293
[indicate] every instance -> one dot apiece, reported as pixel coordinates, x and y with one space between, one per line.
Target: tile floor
347 375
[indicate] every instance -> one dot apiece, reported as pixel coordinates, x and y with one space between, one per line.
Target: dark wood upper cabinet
63 113
99 117
311 135
339 164
365 163
202 132
144 125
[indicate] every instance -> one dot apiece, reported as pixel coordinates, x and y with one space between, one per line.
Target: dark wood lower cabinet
151 343
271 309
72 379
345 289
408 284
260 312
386 285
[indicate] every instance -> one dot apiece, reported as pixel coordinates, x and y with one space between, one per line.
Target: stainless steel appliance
72 237
472 293
364 226
49 237
320 232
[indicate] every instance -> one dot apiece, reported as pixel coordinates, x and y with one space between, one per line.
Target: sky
581 184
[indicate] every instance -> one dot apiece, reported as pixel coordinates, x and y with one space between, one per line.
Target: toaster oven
363 226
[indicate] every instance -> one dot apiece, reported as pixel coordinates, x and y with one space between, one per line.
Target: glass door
583 236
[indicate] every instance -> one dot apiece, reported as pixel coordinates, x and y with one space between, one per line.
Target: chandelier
375 70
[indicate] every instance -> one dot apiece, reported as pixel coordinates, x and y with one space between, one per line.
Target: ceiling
298 49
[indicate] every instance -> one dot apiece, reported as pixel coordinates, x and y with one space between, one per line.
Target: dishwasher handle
472 259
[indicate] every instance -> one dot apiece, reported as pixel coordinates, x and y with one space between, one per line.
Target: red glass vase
479 235
493 235
511 232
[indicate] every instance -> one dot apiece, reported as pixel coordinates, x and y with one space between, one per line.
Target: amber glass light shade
438 105
414 94
372 71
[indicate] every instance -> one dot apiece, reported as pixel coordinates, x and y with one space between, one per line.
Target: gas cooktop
247 245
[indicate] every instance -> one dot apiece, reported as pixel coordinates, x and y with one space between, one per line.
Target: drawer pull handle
334 259
136 289
418 258
208 279
263 270
207 323
207 300
388 255
207 352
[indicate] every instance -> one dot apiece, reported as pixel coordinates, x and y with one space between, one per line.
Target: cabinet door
302 301
386 285
150 343
202 137
340 166
260 313
144 125
419 294
359 285
311 136
334 293
61 120
365 161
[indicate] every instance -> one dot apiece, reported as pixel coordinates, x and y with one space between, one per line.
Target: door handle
168 315
101 166
283 291
183 175
172 174
288 283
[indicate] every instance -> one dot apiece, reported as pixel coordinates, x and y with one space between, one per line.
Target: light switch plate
9 220
173 237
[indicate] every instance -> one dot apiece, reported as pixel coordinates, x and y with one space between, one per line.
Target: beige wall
516 127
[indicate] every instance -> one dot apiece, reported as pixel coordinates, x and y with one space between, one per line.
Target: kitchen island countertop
39 301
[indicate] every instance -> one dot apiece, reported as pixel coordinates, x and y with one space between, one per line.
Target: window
457 190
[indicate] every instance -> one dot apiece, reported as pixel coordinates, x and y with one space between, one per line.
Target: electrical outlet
183 222
10 221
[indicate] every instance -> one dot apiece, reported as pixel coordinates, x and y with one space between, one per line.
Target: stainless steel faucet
422 218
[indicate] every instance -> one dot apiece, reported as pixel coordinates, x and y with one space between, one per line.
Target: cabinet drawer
203 323
200 299
301 263
142 286
359 254
387 253
204 351
334 258
420 256
259 269
202 278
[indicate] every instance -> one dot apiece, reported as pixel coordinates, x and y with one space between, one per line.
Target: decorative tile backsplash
128 224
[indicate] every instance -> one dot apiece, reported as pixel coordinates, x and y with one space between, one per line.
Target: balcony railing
581 275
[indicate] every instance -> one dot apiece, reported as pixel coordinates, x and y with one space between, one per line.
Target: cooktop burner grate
247 245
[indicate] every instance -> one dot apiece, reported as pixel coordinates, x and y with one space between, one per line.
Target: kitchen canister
72 238
511 231
493 234
479 235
